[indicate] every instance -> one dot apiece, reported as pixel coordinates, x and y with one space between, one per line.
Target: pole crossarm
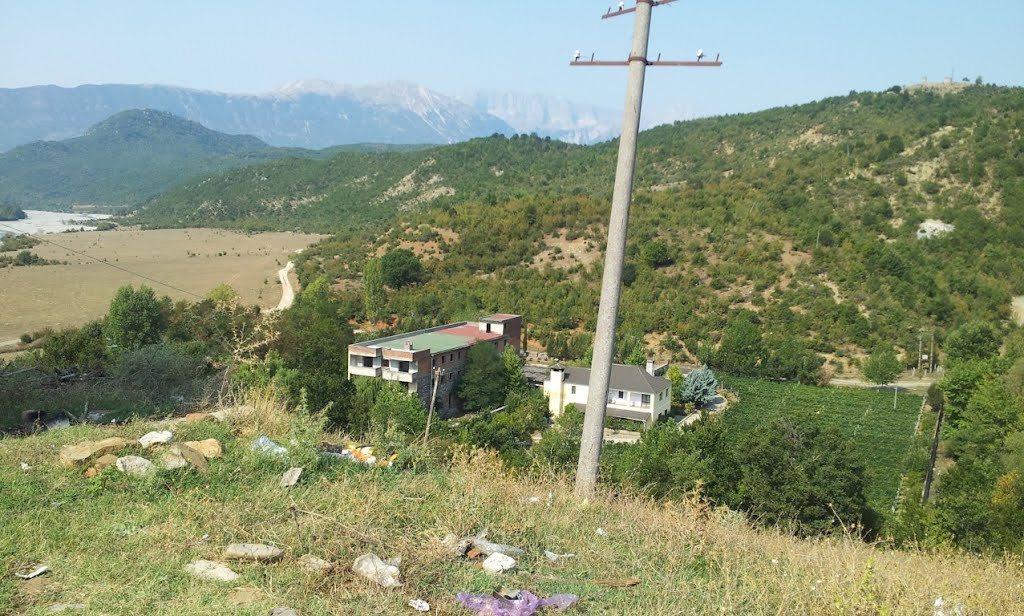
616 13
713 64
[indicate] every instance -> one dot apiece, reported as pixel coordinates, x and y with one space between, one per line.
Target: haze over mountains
307 113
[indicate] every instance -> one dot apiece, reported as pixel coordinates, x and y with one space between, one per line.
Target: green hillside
801 219
124 160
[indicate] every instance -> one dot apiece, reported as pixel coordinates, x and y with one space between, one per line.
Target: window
645 399
403 366
572 389
451 357
368 362
488 328
622 394
442 359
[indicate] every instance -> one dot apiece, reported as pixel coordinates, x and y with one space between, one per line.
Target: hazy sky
775 53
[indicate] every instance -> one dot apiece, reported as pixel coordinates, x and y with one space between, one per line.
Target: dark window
622 394
645 398
442 359
403 366
368 362
488 328
451 357
572 389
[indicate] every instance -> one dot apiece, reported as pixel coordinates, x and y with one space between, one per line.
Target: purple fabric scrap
526 605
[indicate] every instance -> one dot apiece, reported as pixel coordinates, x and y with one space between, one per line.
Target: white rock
313 564
499 563
210 570
173 460
291 477
156 438
283 611
371 567
253 551
419 605
135 466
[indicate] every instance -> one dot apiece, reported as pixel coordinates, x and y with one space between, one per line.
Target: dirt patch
423 248
791 258
1017 307
564 253
812 137
193 261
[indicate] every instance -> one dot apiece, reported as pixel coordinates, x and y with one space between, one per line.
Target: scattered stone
498 563
210 570
253 551
210 448
156 438
90 472
194 458
135 466
194 417
602 532
172 460
283 611
60 607
109 446
419 605
291 477
25 467
104 461
371 567
243 596
75 455
314 565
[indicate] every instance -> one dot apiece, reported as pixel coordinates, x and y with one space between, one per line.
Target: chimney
650 366
408 345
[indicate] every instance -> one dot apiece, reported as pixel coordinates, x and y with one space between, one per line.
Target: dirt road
287 292
1017 308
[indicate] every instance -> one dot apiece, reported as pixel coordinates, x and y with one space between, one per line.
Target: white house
633 393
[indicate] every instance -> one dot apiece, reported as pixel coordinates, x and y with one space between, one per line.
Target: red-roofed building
418 358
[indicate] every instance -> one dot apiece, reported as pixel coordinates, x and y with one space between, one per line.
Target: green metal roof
437 342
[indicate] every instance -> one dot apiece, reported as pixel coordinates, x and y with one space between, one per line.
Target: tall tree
373 290
401 267
972 340
882 366
134 319
483 383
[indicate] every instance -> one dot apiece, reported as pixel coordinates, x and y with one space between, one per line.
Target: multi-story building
633 392
417 359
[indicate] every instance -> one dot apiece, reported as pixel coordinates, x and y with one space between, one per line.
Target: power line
107 263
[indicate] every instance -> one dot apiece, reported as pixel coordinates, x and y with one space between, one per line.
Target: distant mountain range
126 159
308 114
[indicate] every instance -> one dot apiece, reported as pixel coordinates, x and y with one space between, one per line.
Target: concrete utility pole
611 284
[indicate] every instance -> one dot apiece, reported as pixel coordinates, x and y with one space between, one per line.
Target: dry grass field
193 260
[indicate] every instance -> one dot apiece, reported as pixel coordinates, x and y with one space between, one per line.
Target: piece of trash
553 557
39 571
365 454
25 467
532 499
498 563
602 532
527 603
371 567
472 546
419 605
623 583
291 477
205 538
263 444
283 611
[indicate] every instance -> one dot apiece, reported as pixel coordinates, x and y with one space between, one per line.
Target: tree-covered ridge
804 218
124 160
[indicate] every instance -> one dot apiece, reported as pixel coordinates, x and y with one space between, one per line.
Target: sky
775 53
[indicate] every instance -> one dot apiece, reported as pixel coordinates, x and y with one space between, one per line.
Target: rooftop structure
418 359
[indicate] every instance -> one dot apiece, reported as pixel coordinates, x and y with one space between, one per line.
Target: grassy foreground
119 544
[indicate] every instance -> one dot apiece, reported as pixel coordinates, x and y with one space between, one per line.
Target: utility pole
611 284
438 373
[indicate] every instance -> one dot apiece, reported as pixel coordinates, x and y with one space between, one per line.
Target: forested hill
124 160
801 219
